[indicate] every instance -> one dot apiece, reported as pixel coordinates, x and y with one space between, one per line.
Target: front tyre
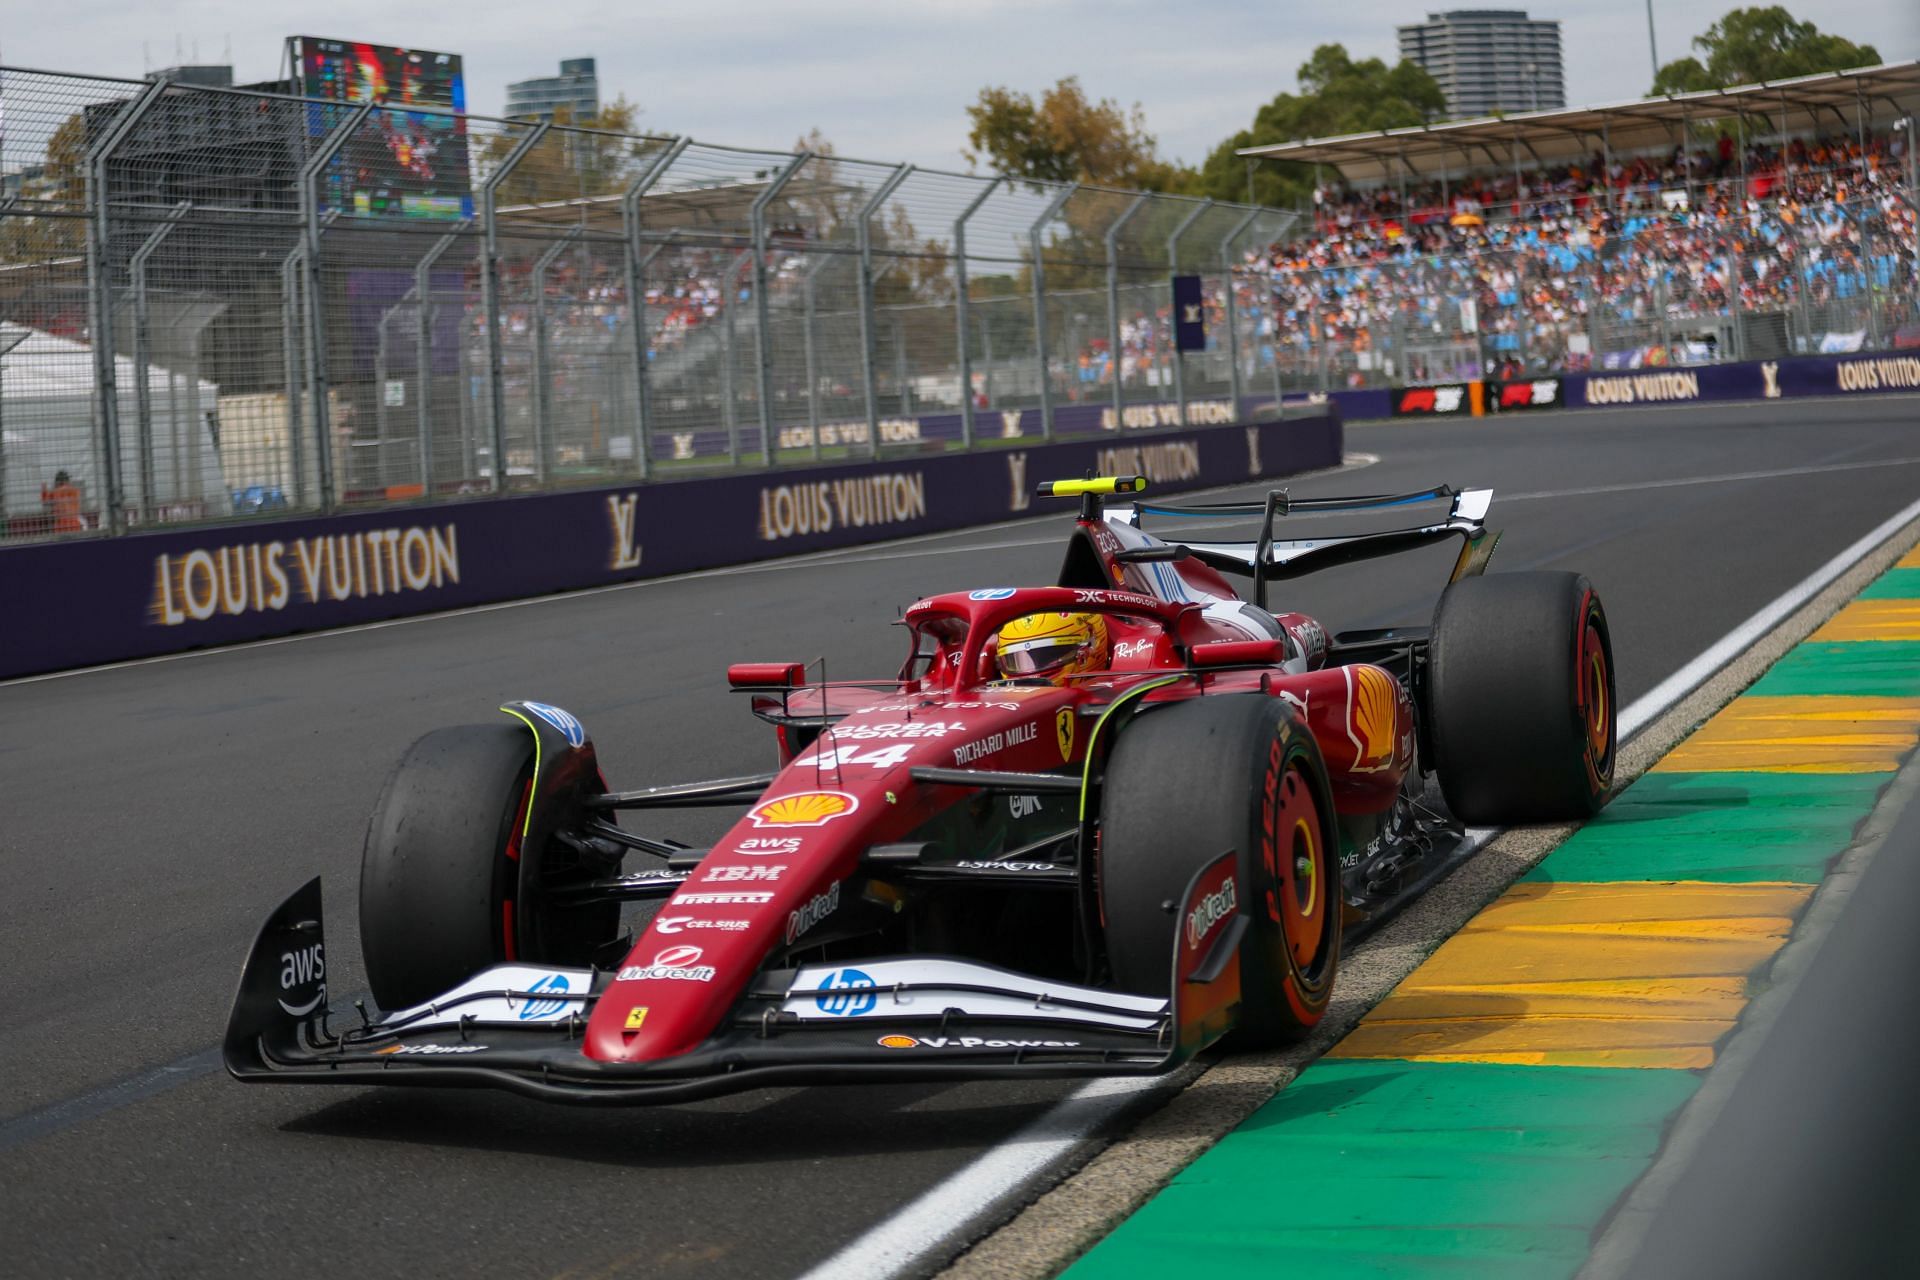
447 864
1520 699
1187 783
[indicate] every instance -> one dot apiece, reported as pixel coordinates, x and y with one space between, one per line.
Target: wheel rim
1298 902
1596 710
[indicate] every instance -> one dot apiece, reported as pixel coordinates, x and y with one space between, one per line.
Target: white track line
1002 1173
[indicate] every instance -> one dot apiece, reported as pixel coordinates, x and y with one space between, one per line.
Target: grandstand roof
1546 138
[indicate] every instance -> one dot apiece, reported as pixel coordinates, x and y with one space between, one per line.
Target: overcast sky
883 81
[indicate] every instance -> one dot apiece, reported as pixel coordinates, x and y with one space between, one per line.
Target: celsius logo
575 732
1210 911
853 993
551 985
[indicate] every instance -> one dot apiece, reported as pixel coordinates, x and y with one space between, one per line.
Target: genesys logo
749 875
1538 393
815 910
969 1042
682 924
803 809
1448 398
1209 912
675 964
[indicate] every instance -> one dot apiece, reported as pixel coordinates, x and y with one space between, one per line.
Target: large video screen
409 164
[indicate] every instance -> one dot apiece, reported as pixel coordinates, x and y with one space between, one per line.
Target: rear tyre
1186 784
447 865
1520 699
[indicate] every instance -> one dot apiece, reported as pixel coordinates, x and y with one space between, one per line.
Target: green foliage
1068 137
1337 95
1750 45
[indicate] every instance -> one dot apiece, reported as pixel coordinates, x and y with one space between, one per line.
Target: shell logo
899 1042
1372 703
803 809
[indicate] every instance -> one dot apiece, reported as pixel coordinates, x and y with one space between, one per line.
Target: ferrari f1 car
1091 827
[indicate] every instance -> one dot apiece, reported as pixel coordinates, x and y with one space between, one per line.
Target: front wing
519 1027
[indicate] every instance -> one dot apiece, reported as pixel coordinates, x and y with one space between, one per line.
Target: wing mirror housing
767 675
1238 653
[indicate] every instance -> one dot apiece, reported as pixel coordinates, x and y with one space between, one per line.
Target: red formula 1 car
1089 828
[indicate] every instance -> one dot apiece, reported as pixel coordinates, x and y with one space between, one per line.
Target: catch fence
217 303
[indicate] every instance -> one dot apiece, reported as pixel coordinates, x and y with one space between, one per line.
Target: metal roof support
808 289
143 394
961 305
762 311
1113 306
1237 380
291 274
1054 206
490 299
863 237
100 304
310 175
1173 269
637 261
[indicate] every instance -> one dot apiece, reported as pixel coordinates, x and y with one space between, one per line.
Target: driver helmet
1053 646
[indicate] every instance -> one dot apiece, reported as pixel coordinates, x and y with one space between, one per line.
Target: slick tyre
1184 785
445 870
1520 699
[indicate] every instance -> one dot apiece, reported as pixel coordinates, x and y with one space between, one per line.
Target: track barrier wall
82 602
1789 378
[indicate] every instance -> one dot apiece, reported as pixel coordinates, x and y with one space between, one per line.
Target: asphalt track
151 814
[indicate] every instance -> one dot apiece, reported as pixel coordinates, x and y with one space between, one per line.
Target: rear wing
1268 558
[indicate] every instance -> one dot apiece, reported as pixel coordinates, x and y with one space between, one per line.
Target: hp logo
853 994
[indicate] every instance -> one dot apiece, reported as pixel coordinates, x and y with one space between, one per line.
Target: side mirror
1239 653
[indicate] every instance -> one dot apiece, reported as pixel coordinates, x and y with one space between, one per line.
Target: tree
1068 137
1750 45
1337 95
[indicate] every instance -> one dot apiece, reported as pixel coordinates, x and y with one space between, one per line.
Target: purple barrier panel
1841 375
109 599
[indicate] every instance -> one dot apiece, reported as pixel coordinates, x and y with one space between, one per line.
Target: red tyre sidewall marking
1287 805
1590 684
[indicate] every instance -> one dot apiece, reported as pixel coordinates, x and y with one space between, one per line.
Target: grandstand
1750 222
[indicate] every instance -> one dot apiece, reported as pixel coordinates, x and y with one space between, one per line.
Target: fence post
962 321
291 309
100 301
762 311
490 298
542 391
863 238
1040 306
310 174
1173 269
810 320
729 367
1112 239
1236 380
143 394
426 313
637 263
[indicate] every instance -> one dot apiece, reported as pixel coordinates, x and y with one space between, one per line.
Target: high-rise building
576 88
1489 60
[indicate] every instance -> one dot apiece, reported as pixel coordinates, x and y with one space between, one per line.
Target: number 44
879 758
